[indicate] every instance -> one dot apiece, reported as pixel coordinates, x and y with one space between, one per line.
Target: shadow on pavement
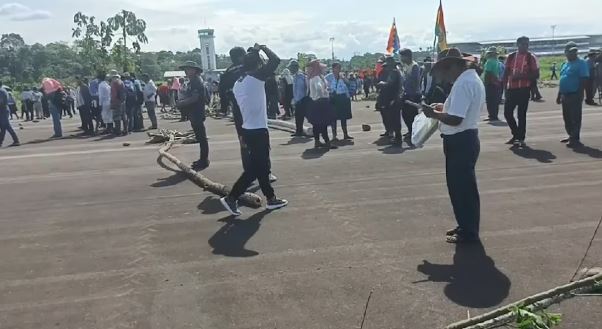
497 123
172 180
210 206
382 141
314 153
231 238
527 152
298 140
592 152
393 149
473 280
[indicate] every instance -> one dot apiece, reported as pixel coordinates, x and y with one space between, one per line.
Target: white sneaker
276 204
273 178
231 206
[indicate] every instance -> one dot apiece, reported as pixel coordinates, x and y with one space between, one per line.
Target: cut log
249 199
288 126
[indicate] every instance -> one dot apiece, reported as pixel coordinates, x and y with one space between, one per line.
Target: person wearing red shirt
522 68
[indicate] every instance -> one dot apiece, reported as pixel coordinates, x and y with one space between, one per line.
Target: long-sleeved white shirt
318 88
150 90
104 94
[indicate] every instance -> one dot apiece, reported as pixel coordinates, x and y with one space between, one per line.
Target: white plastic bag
422 129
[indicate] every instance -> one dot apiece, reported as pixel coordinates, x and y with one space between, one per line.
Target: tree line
112 44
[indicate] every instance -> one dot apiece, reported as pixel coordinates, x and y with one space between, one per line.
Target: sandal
452 232
460 238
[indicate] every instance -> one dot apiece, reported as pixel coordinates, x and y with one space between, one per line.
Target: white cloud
19 12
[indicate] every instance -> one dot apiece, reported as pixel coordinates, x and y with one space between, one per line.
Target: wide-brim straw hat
452 55
492 50
190 65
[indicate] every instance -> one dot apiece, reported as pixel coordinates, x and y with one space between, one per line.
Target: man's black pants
572 109
492 96
461 155
517 98
197 121
86 116
409 112
392 119
300 110
258 149
589 90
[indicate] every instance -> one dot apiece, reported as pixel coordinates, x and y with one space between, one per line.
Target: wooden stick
538 301
249 199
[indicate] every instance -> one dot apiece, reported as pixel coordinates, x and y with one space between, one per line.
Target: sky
289 27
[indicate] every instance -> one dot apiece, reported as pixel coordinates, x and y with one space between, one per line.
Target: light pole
332 47
553 27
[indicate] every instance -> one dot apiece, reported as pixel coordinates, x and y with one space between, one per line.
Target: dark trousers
492 93
258 148
517 98
409 112
554 76
367 91
97 111
197 121
5 126
29 110
300 110
150 110
13 110
572 108
461 155
85 112
535 94
321 130
392 118
589 90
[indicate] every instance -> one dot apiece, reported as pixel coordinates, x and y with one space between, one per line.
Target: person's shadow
314 153
527 152
473 280
592 152
231 238
210 205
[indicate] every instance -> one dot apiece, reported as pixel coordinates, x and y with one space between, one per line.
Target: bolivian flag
393 44
440 31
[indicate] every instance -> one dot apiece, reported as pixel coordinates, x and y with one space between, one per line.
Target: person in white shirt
459 118
249 92
150 91
104 102
320 112
36 98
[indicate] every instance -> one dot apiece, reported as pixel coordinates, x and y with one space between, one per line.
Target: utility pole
553 27
332 47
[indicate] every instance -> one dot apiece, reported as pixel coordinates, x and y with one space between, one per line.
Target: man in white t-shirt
249 92
459 118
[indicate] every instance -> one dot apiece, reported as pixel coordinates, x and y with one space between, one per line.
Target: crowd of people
452 90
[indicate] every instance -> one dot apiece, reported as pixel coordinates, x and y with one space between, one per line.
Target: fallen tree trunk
249 199
536 302
288 126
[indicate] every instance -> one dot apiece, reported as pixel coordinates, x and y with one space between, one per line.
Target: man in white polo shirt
459 118
249 92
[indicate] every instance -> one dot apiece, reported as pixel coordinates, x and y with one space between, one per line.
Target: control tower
207 39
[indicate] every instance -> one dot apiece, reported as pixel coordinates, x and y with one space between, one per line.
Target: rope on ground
249 199
504 315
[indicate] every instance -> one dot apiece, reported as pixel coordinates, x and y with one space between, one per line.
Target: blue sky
306 26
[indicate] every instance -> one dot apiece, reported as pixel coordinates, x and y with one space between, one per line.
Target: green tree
128 24
92 40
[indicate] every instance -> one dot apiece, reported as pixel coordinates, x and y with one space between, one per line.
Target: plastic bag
422 129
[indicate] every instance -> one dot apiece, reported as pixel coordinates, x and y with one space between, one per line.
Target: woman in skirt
320 112
341 100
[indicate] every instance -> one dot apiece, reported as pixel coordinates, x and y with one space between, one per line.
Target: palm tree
127 23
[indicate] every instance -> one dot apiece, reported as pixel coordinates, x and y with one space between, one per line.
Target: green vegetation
526 319
545 64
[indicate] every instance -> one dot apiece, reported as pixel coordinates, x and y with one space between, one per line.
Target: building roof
559 38
174 74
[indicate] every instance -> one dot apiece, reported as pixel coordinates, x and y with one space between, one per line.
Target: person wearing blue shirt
573 76
341 98
300 97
